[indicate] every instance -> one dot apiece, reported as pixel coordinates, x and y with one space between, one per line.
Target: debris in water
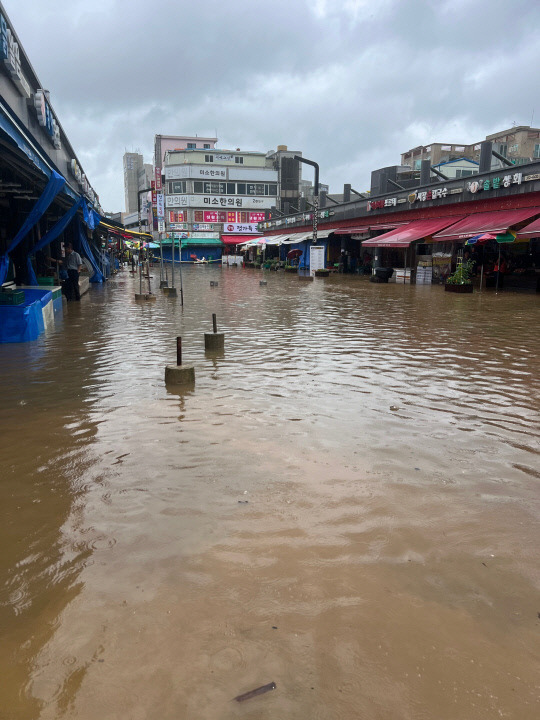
274 627
243 502
394 407
258 691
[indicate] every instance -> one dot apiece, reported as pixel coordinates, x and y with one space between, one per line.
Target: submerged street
346 504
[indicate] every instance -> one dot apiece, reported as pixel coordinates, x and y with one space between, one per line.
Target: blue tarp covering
53 187
304 247
97 277
21 323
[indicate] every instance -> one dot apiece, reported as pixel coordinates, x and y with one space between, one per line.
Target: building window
206 146
270 189
191 146
537 150
208 158
460 173
231 188
241 188
239 160
179 186
198 186
503 149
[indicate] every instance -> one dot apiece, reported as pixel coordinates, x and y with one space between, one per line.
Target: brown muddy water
347 504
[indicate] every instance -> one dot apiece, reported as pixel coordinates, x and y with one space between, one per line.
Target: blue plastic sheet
53 187
21 323
97 277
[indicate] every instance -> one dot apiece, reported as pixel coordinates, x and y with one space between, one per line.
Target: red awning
237 239
403 236
530 231
495 222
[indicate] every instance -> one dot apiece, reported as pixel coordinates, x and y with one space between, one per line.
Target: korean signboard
176 216
179 172
495 183
160 206
220 157
240 228
218 201
10 55
203 226
157 175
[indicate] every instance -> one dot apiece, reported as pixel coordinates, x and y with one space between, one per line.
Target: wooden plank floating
258 691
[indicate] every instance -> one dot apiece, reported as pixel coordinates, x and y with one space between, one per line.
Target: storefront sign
154 193
240 228
377 204
206 234
203 226
176 216
178 226
157 178
495 183
161 225
223 158
218 201
179 172
10 54
535 176
46 117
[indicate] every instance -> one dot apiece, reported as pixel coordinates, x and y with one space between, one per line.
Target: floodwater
347 504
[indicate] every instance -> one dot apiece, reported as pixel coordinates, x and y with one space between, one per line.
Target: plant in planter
291 268
460 280
322 272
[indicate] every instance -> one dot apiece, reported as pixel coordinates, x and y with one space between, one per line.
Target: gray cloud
351 84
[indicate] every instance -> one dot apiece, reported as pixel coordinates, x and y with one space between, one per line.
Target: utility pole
315 193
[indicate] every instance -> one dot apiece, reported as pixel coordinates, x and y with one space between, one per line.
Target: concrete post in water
179 374
214 340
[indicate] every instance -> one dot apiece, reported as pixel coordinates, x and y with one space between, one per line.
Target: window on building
537 150
191 146
241 188
462 172
208 158
198 186
270 189
231 188
503 149
178 186
239 160
206 146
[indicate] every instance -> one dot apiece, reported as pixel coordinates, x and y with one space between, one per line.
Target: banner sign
157 175
176 216
218 201
160 206
241 229
203 226
179 172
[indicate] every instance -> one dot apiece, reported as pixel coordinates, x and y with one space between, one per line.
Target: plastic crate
46 281
12 297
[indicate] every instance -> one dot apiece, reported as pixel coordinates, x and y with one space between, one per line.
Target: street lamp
315 193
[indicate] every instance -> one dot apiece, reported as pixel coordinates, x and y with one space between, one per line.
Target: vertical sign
316 258
154 206
157 178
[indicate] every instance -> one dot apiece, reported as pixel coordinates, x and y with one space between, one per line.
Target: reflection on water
345 504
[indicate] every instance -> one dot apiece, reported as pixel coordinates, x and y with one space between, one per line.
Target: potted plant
460 281
322 272
291 268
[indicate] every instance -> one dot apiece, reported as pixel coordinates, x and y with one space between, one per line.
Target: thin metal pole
148 271
178 350
180 271
172 266
482 267
161 278
214 322
140 271
405 273
498 271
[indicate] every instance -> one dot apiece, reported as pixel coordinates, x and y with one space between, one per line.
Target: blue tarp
51 235
20 323
97 277
53 187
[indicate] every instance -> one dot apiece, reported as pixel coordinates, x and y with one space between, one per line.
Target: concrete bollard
170 292
263 282
163 284
179 374
214 341
144 297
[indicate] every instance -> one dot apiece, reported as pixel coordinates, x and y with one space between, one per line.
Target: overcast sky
350 83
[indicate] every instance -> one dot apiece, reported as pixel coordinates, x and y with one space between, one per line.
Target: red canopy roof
352 230
237 239
403 236
497 221
529 231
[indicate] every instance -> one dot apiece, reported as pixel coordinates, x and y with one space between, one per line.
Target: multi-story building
520 144
169 143
215 196
137 176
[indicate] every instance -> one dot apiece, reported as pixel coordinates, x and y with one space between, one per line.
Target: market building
46 199
422 233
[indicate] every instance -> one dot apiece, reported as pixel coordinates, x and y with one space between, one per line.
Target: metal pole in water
214 322
178 350
172 266
180 271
